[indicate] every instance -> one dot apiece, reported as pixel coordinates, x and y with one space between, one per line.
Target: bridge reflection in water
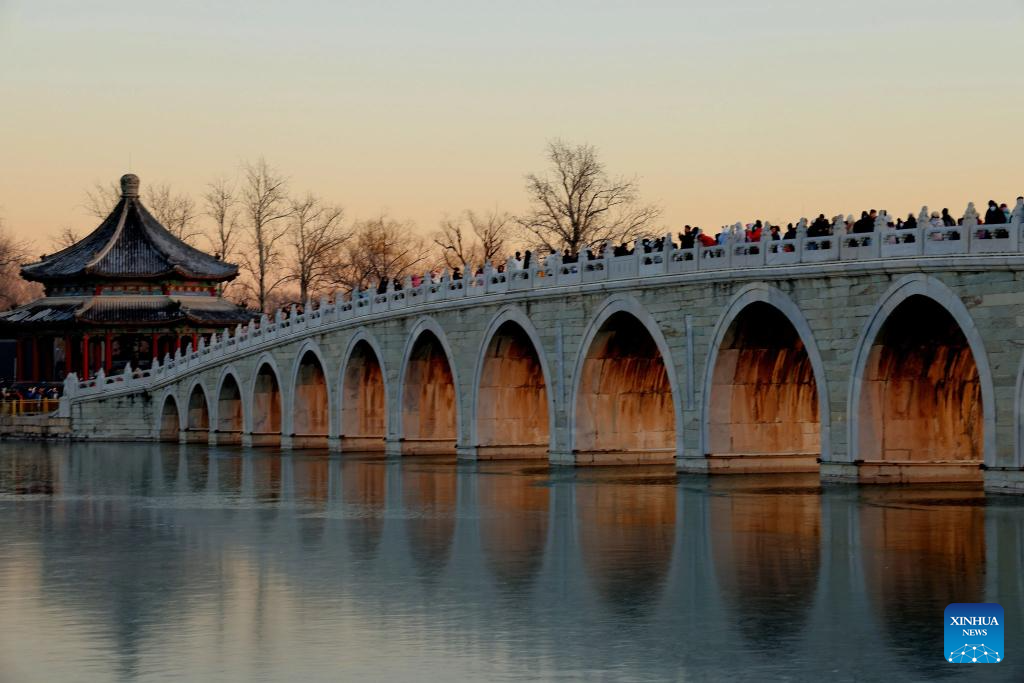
184 561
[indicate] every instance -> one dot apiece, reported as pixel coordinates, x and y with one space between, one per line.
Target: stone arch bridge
890 357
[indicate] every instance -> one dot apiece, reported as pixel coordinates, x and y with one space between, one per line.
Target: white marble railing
883 243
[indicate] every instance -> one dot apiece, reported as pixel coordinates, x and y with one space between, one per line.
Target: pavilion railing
645 262
37 406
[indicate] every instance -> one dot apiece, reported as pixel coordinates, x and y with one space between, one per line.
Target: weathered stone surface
680 388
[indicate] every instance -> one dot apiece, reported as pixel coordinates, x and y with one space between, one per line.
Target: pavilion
126 293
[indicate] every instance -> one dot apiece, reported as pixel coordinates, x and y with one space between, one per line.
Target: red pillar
108 353
85 357
154 340
67 354
195 342
19 358
177 343
35 359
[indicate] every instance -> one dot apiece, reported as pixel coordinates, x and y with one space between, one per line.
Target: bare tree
220 204
102 198
381 250
316 236
176 212
14 290
458 248
576 204
65 238
265 209
473 239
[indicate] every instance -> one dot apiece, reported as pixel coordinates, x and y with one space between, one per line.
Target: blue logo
974 633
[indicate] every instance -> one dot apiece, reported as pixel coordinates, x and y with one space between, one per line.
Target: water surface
158 562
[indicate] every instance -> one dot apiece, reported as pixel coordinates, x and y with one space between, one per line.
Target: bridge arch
763 336
197 417
429 415
891 396
624 370
229 410
1018 417
266 402
363 394
310 420
168 420
513 397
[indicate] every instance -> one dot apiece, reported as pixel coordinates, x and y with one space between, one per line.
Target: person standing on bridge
994 216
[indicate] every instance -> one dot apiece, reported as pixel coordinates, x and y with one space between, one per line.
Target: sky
724 110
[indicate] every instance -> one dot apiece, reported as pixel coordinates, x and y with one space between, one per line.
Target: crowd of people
28 393
758 231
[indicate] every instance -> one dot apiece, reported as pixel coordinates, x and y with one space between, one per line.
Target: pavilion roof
129 244
131 310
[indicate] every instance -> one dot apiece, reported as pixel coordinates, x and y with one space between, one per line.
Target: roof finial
129 185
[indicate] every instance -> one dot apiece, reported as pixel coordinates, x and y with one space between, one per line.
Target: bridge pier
467 453
686 464
562 457
1004 480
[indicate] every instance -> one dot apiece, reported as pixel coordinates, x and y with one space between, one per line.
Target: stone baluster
1017 215
801 238
554 262
202 345
70 385
101 378
969 226
127 374
881 222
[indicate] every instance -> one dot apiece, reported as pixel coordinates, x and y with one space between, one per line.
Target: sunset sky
726 110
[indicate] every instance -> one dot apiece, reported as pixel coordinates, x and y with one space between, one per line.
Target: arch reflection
922 550
310 488
766 547
364 492
513 525
627 532
429 499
